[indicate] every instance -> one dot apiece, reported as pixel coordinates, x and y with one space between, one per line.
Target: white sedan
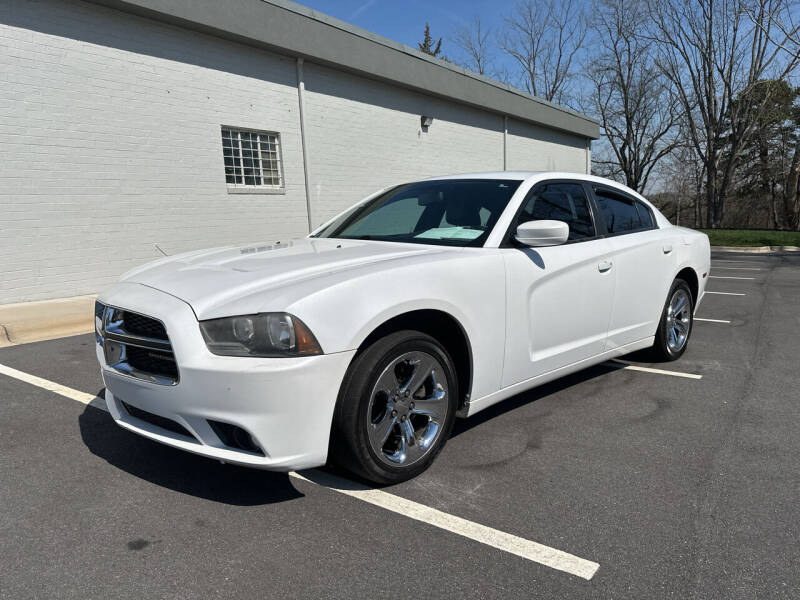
361 343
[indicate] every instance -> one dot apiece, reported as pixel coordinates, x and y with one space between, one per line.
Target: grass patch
752 237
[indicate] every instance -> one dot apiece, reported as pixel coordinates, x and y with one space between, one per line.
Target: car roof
538 176
516 175
534 176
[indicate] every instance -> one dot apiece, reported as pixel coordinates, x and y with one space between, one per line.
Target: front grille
136 324
152 361
157 420
137 345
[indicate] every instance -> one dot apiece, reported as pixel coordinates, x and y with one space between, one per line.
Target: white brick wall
536 148
110 143
364 135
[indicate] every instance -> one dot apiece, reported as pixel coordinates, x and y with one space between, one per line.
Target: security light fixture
425 122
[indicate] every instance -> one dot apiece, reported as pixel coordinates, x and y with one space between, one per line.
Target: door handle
667 249
605 266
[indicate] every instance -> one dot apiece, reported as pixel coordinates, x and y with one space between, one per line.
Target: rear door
558 298
644 265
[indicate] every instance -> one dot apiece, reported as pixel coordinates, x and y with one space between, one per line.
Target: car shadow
644 357
534 256
205 478
529 396
179 470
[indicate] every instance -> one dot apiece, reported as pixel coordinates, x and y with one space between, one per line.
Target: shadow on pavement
528 396
229 484
179 470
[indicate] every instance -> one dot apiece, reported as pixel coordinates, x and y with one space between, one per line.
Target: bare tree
790 190
683 175
544 37
637 111
785 30
711 53
474 42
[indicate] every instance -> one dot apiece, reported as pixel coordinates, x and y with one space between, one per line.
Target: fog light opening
235 437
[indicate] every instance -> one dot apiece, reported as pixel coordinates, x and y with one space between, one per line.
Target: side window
646 216
619 212
561 202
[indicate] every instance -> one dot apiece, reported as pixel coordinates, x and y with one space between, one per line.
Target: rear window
621 213
646 215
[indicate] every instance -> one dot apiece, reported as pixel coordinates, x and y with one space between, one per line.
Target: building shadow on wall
110 28
103 26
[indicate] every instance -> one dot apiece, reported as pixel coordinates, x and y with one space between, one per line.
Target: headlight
264 335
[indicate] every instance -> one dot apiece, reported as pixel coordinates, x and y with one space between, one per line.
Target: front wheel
396 408
676 323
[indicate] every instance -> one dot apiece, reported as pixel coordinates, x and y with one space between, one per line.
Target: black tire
351 447
664 349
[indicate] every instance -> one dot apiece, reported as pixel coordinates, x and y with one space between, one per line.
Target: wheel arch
689 275
444 328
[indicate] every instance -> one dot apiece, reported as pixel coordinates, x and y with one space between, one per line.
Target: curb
46 319
755 249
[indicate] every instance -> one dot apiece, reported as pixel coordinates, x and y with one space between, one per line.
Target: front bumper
285 404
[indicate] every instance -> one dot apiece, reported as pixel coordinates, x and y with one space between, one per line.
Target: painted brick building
126 124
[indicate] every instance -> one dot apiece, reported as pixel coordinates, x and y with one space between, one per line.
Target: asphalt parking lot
671 485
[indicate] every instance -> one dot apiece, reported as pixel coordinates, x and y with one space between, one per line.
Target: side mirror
542 233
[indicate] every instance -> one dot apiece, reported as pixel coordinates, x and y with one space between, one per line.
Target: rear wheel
396 408
676 323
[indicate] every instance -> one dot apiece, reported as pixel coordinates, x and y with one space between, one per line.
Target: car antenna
160 250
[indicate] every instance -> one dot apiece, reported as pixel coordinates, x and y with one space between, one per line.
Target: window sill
255 190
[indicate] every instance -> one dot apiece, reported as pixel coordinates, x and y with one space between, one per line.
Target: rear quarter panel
694 252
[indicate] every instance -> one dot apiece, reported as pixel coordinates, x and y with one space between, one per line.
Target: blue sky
404 20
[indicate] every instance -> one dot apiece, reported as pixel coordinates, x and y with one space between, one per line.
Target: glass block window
252 159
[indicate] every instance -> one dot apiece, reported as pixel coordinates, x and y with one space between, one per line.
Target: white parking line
727 277
624 364
754 261
711 320
726 293
527 549
544 555
739 268
62 390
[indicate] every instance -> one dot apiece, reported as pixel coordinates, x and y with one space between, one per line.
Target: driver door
558 298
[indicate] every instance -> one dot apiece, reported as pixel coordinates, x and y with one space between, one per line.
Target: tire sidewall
661 339
351 416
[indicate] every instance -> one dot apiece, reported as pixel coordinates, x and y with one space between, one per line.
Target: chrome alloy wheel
407 408
679 320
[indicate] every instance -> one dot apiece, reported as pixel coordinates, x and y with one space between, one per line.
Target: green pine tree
428 46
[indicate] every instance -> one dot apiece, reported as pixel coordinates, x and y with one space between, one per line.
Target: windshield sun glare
448 212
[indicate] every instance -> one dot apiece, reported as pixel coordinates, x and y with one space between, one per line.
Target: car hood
210 280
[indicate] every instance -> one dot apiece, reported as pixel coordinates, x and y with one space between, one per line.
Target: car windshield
447 212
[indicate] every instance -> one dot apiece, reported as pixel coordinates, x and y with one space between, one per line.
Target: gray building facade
131 125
